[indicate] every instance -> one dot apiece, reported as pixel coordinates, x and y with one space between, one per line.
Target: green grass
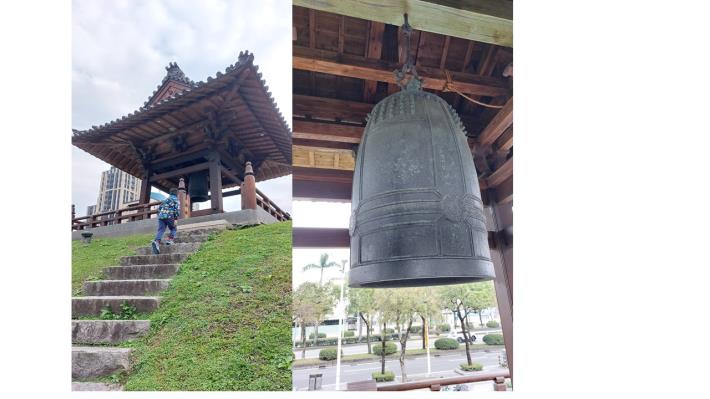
89 260
225 321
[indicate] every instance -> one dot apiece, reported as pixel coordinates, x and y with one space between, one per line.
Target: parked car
458 335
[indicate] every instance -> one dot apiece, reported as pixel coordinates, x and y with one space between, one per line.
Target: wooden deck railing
269 206
497 377
128 214
143 211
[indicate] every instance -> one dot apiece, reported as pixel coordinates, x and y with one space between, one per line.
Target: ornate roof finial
175 73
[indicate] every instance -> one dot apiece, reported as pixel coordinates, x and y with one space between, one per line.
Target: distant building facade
117 189
90 210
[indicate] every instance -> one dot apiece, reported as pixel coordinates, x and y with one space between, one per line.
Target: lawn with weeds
225 322
88 260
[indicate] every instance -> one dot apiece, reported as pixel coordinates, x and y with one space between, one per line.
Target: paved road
362 348
441 366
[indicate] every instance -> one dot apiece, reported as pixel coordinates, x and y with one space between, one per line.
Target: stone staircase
138 281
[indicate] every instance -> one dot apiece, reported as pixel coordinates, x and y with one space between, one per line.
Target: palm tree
324 264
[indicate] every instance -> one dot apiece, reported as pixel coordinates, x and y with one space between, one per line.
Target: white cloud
120 49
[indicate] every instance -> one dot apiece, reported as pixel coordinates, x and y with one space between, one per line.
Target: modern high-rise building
116 190
90 210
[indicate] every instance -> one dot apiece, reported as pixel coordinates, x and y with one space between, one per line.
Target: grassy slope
225 321
89 260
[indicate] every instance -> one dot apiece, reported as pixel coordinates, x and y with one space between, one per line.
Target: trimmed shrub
328 354
443 327
492 324
379 377
348 334
416 329
446 344
493 339
390 348
472 367
320 335
389 330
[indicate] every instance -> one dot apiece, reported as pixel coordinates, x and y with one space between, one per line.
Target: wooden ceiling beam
322 191
500 122
379 70
331 109
312 130
313 237
488 21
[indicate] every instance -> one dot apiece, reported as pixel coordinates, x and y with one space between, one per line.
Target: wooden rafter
379 70
374 51
488 21
500 122
503 172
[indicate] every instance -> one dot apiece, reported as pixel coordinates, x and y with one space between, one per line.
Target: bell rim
408 273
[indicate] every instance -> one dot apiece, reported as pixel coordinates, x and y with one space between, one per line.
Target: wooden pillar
144 195
248 189
184 200
503 264
215 182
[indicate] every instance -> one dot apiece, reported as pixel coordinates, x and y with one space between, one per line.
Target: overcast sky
120 50
319 214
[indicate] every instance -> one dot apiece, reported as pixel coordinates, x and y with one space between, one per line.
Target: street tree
362 303
311 303
463 299
322 265
403 306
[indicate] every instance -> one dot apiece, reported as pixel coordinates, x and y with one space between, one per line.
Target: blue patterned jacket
169 208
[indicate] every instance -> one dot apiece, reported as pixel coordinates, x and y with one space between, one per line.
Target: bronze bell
198 187
417 215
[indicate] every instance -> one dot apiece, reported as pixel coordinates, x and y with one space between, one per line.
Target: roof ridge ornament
175 73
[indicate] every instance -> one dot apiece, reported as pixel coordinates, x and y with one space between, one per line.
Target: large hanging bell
417 216
198 187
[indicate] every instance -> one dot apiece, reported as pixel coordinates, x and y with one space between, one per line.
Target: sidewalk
411 353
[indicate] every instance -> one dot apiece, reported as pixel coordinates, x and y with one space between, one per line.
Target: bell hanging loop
414 82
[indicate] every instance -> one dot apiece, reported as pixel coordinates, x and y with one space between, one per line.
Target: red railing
269 206
128 214
497 377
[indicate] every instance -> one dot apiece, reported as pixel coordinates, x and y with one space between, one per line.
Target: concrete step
98 361
140 272
213 225
95 386
124 287
181 239
107 331
171 249
92 305
161 259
